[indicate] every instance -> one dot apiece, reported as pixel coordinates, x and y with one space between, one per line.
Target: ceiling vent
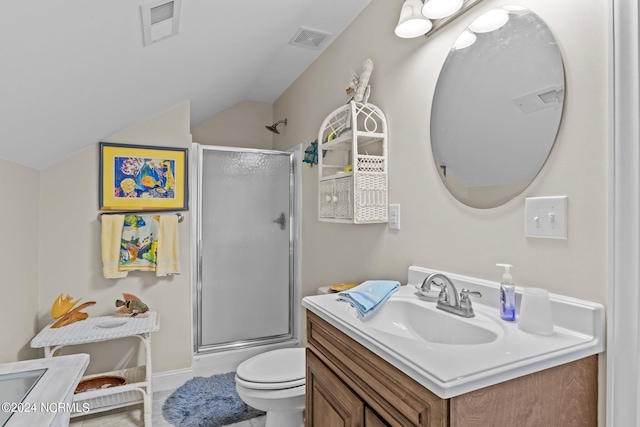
160 19
310 39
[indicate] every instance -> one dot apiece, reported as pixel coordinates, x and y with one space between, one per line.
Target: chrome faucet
461 306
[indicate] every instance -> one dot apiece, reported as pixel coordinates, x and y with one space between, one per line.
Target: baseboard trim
171 380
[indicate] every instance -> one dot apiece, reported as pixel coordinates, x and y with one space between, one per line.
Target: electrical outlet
546 217
394 217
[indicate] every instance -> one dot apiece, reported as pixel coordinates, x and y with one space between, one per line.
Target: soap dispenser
507 295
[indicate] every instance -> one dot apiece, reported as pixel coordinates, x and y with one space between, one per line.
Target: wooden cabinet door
329 402
371 419
392 395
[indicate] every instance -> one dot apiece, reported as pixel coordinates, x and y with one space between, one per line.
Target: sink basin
424 322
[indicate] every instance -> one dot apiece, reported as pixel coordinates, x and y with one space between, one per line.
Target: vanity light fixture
438 9
418 18
412 22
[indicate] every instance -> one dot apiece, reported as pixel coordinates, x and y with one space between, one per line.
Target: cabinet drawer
394 396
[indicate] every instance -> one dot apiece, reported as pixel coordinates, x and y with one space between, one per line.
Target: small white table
106 328
50 400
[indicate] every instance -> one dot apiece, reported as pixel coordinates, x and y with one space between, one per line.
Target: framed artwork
141 178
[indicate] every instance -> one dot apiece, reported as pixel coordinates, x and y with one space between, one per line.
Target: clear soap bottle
507 295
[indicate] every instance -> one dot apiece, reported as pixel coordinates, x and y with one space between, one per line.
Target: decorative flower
132 165
127 185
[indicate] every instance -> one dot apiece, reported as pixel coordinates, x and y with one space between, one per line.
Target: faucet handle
465 302
464 293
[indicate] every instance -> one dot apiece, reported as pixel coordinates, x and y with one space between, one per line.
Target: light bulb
437 9
412 23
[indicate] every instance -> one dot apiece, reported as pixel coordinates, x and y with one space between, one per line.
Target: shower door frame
295 212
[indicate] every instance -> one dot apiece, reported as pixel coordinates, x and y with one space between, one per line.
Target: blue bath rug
207 402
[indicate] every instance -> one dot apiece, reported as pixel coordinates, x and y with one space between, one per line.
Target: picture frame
143 178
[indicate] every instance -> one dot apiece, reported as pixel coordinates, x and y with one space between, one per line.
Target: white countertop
450 370
46 404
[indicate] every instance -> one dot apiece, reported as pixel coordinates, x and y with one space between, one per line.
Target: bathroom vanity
388 371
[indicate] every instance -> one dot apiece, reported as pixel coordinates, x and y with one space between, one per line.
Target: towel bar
180 216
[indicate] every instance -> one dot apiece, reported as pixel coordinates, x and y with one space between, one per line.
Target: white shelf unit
96 329
354 135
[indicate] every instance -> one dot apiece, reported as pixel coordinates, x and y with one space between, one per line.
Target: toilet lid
276 366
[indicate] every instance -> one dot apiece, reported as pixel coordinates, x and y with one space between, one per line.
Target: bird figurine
61 306
131 305
63 312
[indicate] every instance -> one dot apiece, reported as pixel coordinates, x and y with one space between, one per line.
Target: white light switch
394 217
546 217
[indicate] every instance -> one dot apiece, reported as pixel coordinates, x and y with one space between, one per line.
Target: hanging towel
168 256
139 243
111 239
369 295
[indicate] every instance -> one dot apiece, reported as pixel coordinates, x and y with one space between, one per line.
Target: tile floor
133 417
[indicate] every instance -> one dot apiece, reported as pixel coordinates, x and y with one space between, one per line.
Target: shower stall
246 228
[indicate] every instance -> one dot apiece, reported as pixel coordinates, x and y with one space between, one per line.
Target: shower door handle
281 220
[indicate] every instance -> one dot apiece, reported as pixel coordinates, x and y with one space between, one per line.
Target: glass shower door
245 282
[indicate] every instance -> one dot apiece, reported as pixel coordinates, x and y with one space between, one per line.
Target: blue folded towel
369 295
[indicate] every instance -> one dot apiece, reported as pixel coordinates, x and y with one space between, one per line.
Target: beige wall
241 125
19 230
70 259
438 231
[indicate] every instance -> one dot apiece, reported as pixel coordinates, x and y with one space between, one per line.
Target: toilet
274 382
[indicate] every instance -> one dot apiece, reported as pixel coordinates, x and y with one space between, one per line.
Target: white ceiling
75 71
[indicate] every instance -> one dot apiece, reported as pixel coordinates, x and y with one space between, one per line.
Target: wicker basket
101 382
368 163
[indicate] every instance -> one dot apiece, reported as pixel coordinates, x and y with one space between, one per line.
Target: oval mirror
497 107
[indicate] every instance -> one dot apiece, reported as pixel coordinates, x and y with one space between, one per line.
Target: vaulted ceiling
76 71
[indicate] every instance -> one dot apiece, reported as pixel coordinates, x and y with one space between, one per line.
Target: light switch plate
394 217
546 217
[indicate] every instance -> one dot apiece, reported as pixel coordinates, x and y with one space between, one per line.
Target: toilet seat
270 386
273 370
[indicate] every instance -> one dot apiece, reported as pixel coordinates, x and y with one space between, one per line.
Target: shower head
273 127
